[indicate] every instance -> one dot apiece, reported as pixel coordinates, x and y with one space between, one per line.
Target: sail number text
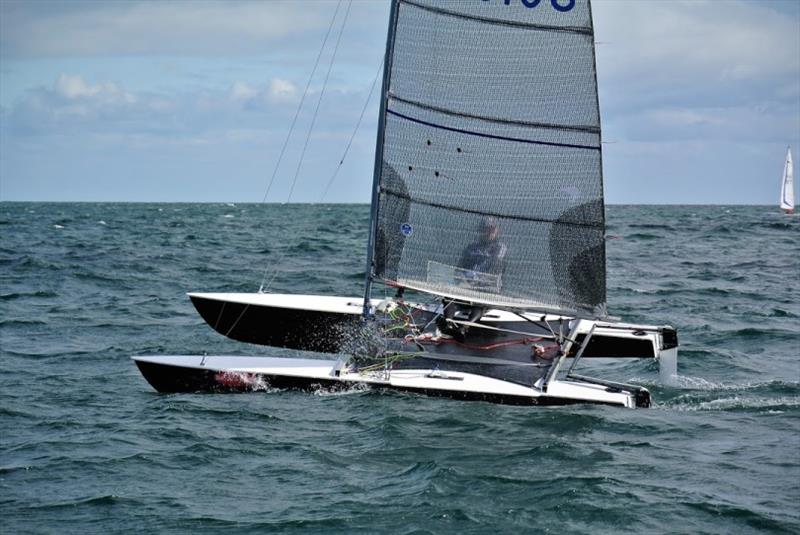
558 5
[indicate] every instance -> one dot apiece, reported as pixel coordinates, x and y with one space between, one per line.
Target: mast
376 177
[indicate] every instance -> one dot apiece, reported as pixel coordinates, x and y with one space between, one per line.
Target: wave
100 277
709 275
7 470
654 226
29 262
741 515
306 246
750 333
21 322
716 291
355 389
784 225
355 276
698 383
726 229
644 236
21 295
699 394
734 403
92 501
688 291
780 313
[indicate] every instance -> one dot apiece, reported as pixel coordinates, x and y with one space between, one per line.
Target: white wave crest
687 382
737 402
355 389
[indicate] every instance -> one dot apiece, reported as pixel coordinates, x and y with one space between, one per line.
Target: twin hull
495 362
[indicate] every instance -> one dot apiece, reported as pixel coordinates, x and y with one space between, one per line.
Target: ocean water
88 447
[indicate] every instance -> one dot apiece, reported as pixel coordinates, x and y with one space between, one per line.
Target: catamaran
787 185
487 207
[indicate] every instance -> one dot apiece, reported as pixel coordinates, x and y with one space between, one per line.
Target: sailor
486 255
481 268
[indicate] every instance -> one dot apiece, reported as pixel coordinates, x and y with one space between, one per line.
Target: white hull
231 373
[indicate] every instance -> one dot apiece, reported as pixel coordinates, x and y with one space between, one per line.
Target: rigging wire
262 287
302 100
355 131
319 101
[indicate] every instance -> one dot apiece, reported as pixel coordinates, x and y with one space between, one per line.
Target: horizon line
365 203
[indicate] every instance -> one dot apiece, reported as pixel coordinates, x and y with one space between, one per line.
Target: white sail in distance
787 185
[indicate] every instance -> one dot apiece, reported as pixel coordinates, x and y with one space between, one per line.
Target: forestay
490 118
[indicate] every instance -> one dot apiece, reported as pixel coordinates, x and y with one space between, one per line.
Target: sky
192 100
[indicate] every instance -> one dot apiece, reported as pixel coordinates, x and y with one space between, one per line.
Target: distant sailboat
787 185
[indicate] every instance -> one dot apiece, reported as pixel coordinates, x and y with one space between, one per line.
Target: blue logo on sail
558 5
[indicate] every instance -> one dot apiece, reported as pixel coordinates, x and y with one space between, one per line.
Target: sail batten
481 134
490 20
577 128
489 181
454 208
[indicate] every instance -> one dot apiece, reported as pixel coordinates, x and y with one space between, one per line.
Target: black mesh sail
489 185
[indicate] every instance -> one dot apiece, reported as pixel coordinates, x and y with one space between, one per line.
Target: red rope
487 347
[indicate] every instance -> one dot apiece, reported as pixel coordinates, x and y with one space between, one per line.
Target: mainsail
490 118
787 185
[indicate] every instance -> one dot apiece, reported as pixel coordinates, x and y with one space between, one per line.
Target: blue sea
87 446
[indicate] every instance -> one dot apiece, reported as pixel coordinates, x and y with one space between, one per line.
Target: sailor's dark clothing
484 257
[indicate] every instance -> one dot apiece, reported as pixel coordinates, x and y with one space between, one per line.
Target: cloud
732 40
124 144
282 90
242 91
253 97
698 69
49 28
74 106
73 87
757 124
729 53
